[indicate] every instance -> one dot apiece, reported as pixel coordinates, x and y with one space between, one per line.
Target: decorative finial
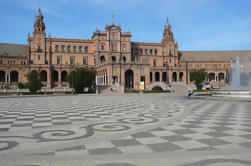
29 35
167 20
113 17
49 35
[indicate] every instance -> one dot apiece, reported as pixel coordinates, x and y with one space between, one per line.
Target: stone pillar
19 78
59 80
48 79
9 77
6 78
105 79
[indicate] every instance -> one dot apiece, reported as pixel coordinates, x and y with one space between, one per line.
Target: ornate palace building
117 60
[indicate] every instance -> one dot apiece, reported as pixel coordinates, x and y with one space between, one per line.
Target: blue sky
196 24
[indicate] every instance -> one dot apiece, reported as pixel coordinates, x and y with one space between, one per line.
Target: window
72 60
113 47
123 48
69 49
62 49
155 51
56 48
146 51
39 49
74 48
102 59
38 57
113 59
85 61
58 60
86 49
1 62
80 49
154 62
102 47
151 51
24 62
124 59
170 60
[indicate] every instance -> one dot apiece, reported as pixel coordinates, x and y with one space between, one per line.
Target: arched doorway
151 76
54 77
43 77
221 76
174 77
181 76
129 78
164 77
64 76
211 76
14 76
157 77
2 76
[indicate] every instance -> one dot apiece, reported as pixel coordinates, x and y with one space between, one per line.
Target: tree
198 76
34 83
81 78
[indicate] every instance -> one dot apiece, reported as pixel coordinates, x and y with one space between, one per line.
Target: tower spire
39 26
113 17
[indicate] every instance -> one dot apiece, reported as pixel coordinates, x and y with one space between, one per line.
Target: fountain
236 89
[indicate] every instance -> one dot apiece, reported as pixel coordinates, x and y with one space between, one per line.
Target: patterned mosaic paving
125 126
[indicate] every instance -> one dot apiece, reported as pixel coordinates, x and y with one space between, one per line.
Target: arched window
69 49
155 51
80 49
113 47
56 48
124 59
102 47
151 76
62 49
74 48
113 59
86 49
102 59
124 48
146 51
154 62
151 51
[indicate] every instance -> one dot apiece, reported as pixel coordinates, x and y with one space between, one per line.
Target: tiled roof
19 50
204 56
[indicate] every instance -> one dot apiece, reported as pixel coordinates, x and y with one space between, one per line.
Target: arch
54 76
151 76
86 49
129 79
157 88
102 59
43 77
174 78
2 76
221 76
157 76
113 59
181 76
211 76
124 59
164 77
13 76
64 76
162 85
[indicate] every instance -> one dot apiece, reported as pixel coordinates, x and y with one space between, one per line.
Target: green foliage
198 76
34 83
81 78
21 85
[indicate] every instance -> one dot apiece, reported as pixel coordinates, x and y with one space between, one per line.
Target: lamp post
72 79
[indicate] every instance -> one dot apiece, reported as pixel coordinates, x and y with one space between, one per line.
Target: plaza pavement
126 130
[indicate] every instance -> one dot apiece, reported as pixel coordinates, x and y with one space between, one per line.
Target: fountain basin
231 93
